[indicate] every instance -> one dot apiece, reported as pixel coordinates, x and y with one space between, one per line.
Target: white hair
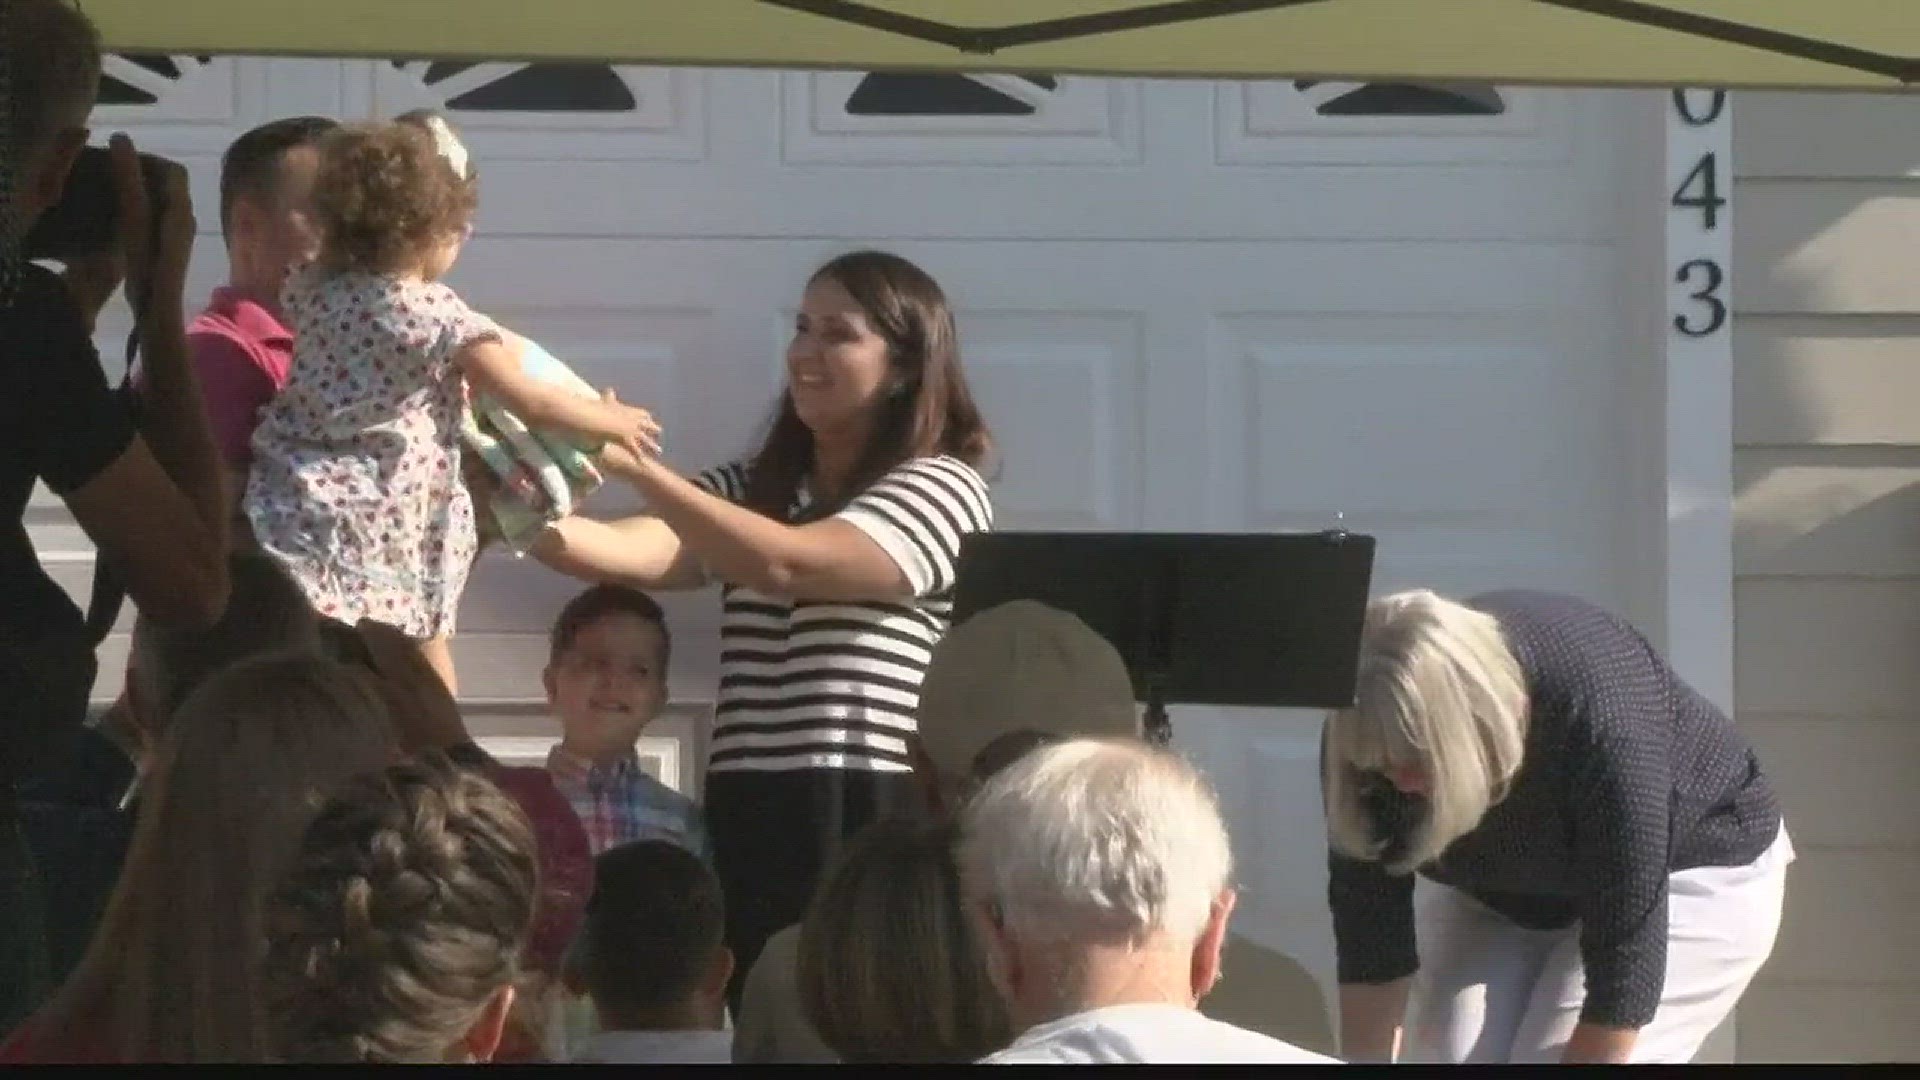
1439 689
1097 841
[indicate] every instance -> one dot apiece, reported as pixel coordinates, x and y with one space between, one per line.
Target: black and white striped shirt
835 684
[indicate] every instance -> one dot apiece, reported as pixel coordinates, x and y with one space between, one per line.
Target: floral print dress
356 485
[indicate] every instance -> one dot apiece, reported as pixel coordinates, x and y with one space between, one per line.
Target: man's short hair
600 602
266 613
251 167
1097 841
50 56
653 928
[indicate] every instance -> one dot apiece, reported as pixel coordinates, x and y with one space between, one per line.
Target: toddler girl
356 483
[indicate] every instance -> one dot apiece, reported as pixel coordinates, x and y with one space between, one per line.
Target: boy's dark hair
251 166
653 927
598 603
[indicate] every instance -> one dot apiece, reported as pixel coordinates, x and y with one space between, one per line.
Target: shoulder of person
943 465
944 480
937 475
33 296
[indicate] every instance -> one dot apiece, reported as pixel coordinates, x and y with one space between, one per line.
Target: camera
87 217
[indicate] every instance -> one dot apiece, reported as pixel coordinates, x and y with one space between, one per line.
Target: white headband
445 141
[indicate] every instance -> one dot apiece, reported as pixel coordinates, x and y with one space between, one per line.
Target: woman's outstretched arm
641 551
823 560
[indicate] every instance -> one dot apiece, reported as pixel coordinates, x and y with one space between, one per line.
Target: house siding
1827 557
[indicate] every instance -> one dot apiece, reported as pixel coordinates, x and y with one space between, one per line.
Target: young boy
652 960
606 680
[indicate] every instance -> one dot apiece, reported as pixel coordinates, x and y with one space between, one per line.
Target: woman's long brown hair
930 412
170 975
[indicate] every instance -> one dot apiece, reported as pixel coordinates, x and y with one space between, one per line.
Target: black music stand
1200 618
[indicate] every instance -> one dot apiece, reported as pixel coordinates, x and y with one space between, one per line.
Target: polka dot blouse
1628 776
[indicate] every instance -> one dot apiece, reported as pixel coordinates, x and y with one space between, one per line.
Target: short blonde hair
1097 841
50 57
1439 689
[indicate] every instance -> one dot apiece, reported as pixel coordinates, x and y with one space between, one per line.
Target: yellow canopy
1835 44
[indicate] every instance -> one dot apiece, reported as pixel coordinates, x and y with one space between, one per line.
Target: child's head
652 953
396 933
606 676
394 198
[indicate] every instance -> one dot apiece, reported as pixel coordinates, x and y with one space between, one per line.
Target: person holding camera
148 494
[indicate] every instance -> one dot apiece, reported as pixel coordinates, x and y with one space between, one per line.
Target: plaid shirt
618 803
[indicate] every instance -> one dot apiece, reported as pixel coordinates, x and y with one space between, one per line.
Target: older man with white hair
1100 872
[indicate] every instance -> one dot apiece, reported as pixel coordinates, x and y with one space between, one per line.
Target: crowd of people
916 842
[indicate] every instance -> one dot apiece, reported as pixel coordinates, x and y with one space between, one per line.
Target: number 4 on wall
1701 190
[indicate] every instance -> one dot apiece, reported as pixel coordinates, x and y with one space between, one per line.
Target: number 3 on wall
1705 293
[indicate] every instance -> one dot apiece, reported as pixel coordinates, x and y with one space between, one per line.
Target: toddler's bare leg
438 653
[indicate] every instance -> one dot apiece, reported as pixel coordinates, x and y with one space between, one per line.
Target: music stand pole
1159 727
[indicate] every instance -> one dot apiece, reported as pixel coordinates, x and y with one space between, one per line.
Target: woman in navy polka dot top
1605 859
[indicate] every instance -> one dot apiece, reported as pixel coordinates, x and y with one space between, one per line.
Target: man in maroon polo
240 345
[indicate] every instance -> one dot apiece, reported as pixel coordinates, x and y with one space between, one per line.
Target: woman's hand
1595 1044
156 254
620 460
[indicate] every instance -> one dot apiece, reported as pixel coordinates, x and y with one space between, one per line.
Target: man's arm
173 412
158 508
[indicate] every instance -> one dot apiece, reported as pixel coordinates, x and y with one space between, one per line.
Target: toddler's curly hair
409 900
384 196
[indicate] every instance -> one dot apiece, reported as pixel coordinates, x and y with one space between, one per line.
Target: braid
404 915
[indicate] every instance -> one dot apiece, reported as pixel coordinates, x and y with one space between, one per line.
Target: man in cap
1007 681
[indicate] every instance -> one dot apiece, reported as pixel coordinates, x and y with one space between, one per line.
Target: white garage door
1186 306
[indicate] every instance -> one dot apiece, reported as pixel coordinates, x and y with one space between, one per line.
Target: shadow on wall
1827 539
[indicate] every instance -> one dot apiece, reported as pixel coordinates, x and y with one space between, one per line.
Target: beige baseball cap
1021 666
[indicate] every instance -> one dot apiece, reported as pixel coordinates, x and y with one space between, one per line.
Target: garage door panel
624 113
1288 122
1463 561
1360 288
677 200
859 118
1469 431
1064 395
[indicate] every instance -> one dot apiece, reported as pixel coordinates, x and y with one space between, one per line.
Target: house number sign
1698 182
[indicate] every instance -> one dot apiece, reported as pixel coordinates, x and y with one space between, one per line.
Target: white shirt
1147 1035
657 1048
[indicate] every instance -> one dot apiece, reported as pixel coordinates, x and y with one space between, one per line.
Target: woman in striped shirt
835 544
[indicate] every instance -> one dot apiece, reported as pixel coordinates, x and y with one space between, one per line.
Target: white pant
1491 991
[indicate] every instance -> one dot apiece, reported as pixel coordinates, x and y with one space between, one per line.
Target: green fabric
526 478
